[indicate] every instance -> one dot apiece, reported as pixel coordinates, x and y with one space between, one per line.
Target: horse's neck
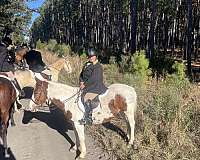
58 65
61 91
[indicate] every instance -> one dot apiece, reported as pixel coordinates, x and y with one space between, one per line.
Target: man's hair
7 41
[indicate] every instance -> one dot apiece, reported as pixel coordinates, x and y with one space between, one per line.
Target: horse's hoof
73 149
13 124
82 156
79 158
7 155
133 146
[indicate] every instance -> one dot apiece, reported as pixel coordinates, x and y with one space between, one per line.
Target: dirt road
45 136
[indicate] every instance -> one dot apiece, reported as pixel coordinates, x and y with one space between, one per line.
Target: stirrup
22 93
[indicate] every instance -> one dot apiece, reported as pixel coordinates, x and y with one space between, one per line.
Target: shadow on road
12 157
54 119
116 129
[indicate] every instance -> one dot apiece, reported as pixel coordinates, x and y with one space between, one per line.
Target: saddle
96 104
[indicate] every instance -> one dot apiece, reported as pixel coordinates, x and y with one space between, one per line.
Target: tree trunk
189 37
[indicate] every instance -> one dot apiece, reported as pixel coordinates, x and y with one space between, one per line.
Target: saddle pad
98 108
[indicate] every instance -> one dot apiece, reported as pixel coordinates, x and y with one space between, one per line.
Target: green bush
51 44
62 50
178 79
140 66
40 45
179 70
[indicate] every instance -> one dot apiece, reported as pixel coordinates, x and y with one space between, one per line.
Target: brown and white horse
118 98
8 97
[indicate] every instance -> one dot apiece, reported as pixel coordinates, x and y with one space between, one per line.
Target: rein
77 93
64 101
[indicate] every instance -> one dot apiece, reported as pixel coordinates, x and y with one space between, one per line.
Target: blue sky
35 4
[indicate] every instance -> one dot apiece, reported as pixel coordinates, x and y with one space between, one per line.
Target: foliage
52 46
140 66
178 78
62 50
40 45
14 17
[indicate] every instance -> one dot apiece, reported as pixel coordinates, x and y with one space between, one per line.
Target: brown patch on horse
118 104
40 92
58 104
61 106
68 115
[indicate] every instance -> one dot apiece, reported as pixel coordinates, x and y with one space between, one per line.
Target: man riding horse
7 59
91 84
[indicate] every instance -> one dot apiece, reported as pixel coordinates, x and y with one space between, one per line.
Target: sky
35 4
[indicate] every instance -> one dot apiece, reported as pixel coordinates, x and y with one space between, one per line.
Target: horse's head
20 53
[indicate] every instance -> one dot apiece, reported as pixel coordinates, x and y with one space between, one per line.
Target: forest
164 28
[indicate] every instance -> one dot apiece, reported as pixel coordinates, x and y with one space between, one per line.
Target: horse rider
91 84
7 59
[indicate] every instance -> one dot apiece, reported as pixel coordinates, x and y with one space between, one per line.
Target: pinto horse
119 98
8 97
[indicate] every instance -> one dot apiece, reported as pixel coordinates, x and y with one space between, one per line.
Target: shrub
40 45
140 66
62 50
178 78
51 44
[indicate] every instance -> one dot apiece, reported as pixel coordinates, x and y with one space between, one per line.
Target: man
7 59
91 83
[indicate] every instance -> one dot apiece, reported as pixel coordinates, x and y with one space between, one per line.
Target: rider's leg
87 119
15 82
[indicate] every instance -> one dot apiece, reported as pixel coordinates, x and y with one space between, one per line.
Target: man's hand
82 85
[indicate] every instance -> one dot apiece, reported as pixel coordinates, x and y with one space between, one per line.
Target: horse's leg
5 119
130 122
80 139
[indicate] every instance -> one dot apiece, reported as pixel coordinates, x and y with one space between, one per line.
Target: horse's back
123 90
